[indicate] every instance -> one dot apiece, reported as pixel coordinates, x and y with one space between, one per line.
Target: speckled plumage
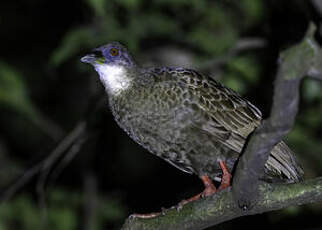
186 118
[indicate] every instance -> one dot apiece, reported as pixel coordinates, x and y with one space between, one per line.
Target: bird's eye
114 52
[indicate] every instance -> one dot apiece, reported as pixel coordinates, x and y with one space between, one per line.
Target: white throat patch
114 78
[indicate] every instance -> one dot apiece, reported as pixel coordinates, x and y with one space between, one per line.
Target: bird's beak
90 58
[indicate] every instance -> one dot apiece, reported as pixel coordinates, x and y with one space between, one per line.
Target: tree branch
294 64
222 207
318 6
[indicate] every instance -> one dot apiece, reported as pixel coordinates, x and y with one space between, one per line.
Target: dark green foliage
63 212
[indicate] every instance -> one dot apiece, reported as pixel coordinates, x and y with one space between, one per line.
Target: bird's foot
208 191
210 188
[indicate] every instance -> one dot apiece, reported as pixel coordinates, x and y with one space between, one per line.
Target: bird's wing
224 114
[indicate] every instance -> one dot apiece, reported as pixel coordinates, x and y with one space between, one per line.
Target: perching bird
188 119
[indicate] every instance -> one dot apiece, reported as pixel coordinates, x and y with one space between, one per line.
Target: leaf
311 90
215 33
13 91
130 4
253 9
112 209
71 44
99 6
13 94
245 66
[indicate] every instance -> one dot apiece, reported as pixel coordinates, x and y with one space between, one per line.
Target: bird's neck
115 78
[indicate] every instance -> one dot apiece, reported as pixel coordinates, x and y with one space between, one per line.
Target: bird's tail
282 165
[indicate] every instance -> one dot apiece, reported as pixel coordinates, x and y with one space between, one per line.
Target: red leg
226 176
209 186
209 190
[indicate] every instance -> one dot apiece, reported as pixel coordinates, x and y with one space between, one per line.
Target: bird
186 118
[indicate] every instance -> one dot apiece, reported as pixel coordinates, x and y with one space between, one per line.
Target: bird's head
113 64
111 54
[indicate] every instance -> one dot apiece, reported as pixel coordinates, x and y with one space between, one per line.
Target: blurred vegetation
63 213
45 91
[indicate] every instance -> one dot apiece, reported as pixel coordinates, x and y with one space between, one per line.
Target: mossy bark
221 207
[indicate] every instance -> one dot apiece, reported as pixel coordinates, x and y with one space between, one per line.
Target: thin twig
241 45
24 179
48 127
69 156
66 143
44 165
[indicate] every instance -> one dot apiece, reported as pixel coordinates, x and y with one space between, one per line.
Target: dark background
45 92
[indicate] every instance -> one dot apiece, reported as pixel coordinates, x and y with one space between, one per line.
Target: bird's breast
148 119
